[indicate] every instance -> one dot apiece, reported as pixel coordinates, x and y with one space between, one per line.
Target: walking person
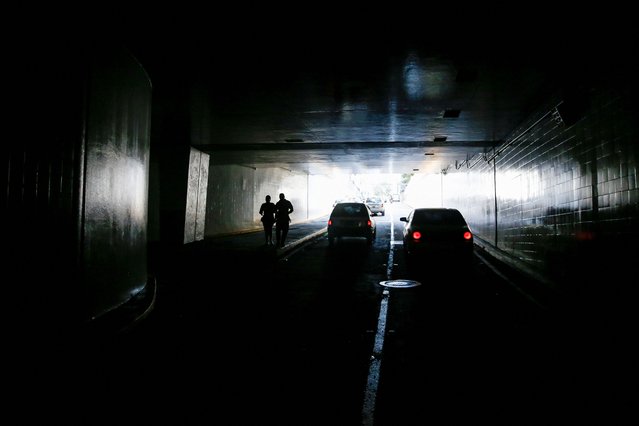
267 211
282 219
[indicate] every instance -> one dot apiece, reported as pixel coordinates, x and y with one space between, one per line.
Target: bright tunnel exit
358 187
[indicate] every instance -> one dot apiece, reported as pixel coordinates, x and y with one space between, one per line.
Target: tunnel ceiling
358 103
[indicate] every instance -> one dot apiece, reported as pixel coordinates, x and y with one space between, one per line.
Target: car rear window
444 217
350 210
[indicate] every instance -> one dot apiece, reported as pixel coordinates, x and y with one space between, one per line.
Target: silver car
376 205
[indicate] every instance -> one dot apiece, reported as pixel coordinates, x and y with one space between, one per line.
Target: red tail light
369 223
330 222
468 235
417 235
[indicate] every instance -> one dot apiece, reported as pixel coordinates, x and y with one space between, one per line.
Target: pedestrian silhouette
282 219
267 211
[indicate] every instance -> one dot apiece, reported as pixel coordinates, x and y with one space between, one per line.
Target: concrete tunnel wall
236 192
75 206
115 188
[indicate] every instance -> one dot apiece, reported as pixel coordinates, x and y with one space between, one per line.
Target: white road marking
372 383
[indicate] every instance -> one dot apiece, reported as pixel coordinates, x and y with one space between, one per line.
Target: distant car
437 233
351 220
346 200
376 205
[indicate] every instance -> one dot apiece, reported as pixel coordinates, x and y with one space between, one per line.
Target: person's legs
278 233
284 233
269 233
266 233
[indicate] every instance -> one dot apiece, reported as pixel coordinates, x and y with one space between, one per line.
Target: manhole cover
400 283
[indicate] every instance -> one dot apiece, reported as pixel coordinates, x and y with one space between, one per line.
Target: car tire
331 241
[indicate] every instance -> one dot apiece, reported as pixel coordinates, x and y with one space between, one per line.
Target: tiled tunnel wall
560 198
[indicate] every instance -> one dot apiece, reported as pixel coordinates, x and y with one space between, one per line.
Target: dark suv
440 233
